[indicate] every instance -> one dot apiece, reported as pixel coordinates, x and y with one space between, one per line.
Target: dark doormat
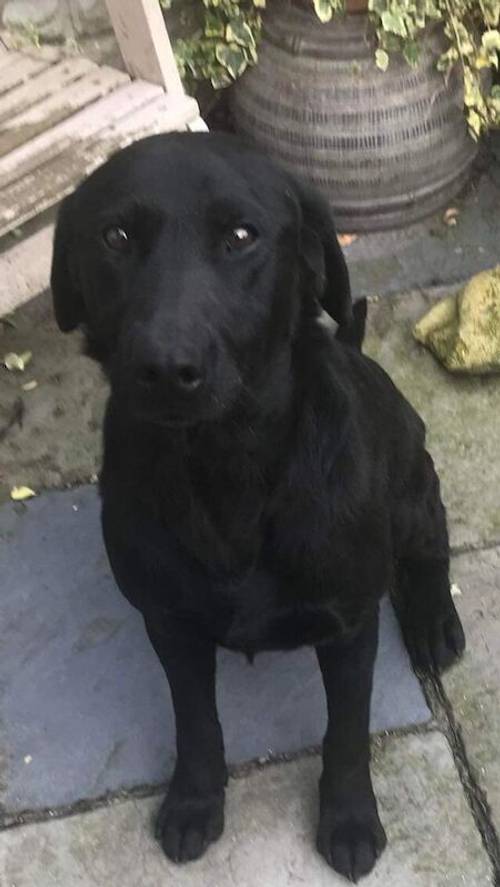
85 707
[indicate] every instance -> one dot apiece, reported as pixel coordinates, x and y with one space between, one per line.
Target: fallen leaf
17 362
451 215
347 239
18 494
29 386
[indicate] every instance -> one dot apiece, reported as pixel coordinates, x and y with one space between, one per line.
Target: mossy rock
463 330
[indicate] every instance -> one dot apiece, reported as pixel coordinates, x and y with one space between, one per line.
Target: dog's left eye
116 238
240 237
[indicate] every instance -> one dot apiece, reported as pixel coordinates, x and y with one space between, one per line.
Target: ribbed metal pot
387 148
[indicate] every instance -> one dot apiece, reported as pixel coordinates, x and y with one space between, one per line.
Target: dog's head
191 262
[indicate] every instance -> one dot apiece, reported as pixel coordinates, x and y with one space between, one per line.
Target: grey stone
89 17
473 686
84 703
47 19
57 19
269 838
462 415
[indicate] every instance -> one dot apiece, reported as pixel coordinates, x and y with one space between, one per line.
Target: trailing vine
223 35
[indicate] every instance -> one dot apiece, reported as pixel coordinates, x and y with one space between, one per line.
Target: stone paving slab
473 686
269 839
84 704
462 415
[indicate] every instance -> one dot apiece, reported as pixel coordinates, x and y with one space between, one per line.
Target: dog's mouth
177 418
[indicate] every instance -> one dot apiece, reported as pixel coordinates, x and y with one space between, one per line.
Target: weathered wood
46 83
45 186
198 125
82 125
45 114
17 69
144 42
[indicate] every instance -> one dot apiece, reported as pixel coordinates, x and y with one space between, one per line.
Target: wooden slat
43 85
59 106
48 184
144 42
18 69
82 125
6 58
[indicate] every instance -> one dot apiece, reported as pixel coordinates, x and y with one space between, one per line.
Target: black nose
185 377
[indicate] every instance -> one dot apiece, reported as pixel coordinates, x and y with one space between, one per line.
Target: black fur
263 482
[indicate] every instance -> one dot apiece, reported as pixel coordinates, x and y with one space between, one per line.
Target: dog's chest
257 625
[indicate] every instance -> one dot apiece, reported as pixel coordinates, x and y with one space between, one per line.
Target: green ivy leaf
220 79
237 31
323 9
381 59
491 41
411 52
393 23
475 123
232 58
214 27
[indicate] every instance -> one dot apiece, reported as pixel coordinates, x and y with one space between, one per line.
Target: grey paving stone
84 704
269 838
473 686
462 415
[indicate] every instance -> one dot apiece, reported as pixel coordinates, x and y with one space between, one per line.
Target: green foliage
222 41
224 35
473 42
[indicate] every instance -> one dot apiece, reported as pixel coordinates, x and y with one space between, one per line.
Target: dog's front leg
192 814
350 834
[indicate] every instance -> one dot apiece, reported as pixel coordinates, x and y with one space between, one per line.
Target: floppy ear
323 256
67 300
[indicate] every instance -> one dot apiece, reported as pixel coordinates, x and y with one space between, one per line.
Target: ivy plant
224 36
472 37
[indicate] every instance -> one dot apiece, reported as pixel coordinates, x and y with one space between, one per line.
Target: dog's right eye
116 238
239 238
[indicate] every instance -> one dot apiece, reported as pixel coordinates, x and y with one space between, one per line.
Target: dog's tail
353 333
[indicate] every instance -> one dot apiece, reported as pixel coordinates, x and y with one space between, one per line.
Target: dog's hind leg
431 627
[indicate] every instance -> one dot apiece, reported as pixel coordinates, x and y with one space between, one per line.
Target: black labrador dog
263 483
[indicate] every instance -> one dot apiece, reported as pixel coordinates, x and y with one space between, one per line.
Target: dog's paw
435 641
186 828
351 844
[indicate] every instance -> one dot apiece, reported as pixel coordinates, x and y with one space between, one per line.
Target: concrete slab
85 707
462 415
473 686
59 440
269 838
